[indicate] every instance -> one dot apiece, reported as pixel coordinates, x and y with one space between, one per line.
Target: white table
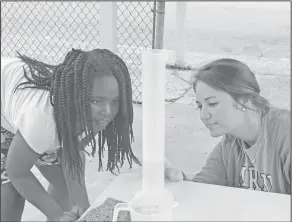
204 202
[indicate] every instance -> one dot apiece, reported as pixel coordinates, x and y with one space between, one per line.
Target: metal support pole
160 12
154 25
181 32
108 26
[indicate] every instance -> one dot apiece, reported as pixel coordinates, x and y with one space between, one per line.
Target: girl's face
104 102
217 110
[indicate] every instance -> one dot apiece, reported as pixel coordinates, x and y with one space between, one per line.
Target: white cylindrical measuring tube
153 112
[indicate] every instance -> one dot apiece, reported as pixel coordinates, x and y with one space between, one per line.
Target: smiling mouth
97 126
101 124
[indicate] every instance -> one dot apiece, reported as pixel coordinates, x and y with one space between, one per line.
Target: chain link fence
135 33
48 30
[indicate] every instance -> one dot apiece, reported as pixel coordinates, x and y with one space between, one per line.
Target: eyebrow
206 99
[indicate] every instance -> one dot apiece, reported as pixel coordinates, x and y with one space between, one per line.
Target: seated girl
254 152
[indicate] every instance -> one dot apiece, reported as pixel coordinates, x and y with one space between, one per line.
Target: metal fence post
181 32
108 26
153 24
159 24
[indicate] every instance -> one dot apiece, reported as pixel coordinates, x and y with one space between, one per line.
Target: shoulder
8 60
10 63
277 115
277 123
12 70
37 126
277 129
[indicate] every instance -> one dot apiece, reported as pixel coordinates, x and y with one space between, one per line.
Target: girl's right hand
73 215
68 216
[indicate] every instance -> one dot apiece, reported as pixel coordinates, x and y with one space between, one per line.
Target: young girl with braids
49 114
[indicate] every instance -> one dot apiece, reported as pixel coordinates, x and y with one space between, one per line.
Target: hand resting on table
172 173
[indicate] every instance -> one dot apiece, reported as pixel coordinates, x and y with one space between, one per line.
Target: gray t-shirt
265 166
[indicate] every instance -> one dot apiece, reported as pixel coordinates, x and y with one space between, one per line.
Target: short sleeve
283 144
37 126
214 170
286 159
287 169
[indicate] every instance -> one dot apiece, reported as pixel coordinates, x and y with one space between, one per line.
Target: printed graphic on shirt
251 178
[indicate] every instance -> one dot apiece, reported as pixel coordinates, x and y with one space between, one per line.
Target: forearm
78 193
208 176
77 189
32 190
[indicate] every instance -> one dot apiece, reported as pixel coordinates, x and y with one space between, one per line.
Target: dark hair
70 87
233 77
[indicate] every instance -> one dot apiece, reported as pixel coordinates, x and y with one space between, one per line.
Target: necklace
243 145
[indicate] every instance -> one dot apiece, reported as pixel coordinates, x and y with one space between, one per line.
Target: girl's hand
82 208
68 216
171 172
73 215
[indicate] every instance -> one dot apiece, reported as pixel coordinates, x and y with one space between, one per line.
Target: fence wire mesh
48 30
135 33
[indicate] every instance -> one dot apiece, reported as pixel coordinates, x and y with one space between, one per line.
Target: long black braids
118 135
125 129
70 86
